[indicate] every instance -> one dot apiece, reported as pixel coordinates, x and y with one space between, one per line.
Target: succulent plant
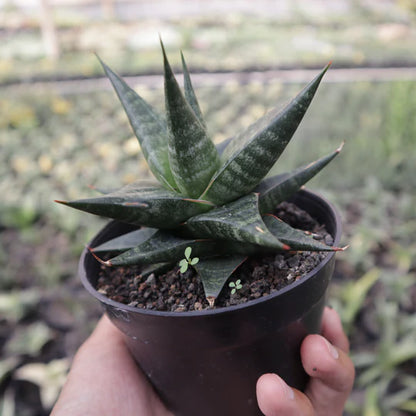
213 200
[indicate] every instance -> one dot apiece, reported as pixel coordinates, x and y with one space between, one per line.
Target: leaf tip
340 147
211 301
101 261
342 248
61 202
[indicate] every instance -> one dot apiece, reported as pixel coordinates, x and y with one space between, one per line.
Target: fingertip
332 329
273 394
105 332
323 361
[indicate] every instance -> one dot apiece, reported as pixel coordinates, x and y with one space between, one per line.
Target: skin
104 380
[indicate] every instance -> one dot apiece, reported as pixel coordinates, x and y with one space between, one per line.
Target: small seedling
187 261
235 286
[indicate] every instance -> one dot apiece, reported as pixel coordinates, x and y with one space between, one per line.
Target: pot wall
207 363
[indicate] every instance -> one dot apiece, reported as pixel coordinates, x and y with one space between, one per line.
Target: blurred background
62 130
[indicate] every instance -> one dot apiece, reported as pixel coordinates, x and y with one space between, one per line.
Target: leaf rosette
211 201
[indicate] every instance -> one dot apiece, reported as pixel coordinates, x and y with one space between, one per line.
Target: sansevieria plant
217 203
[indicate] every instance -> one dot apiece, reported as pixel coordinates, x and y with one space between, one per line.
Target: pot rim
222 310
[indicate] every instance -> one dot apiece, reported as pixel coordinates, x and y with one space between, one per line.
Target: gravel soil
260 275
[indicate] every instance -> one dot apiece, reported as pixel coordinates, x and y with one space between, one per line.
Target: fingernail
332 350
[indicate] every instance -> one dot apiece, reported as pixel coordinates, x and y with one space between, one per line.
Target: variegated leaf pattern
127 241
190 93
284 186
163 247
149 128
142 205
193 157
215 272
207 203
237 221
250 155
297 240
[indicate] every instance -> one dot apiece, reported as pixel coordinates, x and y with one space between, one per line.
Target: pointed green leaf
283 187
215 272
142 205
190 93
297 240
193 157
149 128
162 247
239 221
127 241
250 156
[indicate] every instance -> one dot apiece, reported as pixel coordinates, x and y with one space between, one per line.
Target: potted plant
212 226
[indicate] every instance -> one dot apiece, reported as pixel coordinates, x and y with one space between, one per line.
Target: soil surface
259 275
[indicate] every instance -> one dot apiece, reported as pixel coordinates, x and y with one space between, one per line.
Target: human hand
105 380
332 376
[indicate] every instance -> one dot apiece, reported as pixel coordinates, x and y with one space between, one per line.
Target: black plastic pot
206 363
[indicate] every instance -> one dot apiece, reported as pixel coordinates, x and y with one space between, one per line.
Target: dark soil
259 275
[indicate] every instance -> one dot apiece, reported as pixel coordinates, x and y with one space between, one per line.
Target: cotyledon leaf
162 247
284 186
237 221
215 272
190 93
297 240
143 205
149 128
193 157
250 155
127 241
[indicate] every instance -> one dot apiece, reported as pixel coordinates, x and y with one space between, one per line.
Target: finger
332 375
105 330
276 398
104 379
332 329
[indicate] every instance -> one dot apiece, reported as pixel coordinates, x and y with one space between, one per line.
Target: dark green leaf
282 187
192 155
190 93
142 205
215 272
127 241
250 155
238 221
297 240
149 128
163 247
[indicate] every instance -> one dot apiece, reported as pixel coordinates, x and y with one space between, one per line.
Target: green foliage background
56 140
